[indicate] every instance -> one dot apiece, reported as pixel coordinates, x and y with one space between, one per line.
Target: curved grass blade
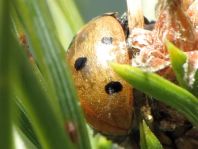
6 47
21 140
67 19
70 13
24 124
178 59
45 121
185 71
161 89
147 139
50 56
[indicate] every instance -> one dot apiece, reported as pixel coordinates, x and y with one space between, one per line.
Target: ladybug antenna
135 14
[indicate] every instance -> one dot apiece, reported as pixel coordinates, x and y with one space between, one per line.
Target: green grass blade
70 13
161 89
46 122
67 19
147 139
23 122
195 85
5 81
25 125
50 56
178 59
181 66
21 140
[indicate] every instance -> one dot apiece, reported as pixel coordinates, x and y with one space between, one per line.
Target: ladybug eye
80 63
107 40
113 87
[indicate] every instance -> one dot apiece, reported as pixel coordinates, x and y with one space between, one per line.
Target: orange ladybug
105 98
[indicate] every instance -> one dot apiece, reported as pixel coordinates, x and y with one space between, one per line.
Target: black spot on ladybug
80 63
107 40
113 87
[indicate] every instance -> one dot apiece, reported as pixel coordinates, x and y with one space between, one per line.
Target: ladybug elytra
105 98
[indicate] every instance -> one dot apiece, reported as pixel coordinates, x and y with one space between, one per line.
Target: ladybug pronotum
105 98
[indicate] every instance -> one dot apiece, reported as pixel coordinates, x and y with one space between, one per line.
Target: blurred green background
92 8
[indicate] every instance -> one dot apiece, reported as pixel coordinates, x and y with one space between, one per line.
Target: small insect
105 98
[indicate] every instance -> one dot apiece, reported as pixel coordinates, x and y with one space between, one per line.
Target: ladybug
106 99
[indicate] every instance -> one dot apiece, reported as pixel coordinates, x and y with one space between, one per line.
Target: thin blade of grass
23 121
37 22
195 85
45 121
5 82
178 59
70 13
21 141
63 13
25 125
161 89
183 69
147 139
